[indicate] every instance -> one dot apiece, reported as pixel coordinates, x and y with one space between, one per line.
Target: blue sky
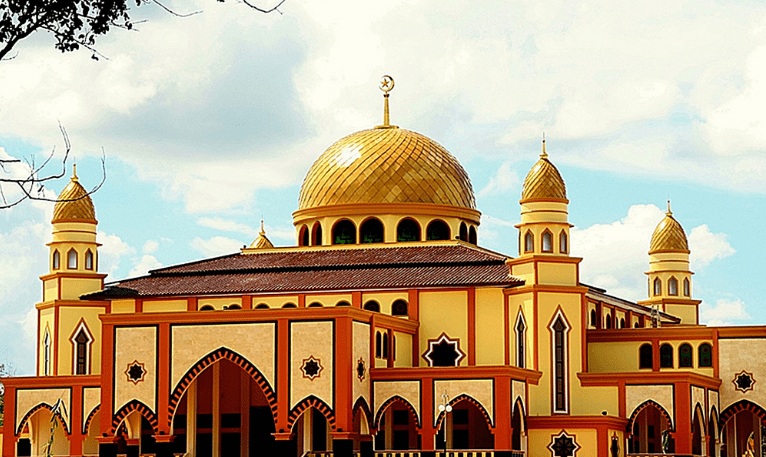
210 123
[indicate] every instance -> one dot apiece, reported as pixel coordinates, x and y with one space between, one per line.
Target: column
503 412
216 394
307 421
427 432
683 433
244 414
389 427
191 419
9 434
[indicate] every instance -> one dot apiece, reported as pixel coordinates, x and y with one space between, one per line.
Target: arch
211 358
408 230
463 232
685 356
657 286
622 322
608 319
303 236
71 259
469 399
56 259
82 341
88 259
687 287
593 319
378 345
529 241
207 308
472 237
316 234
89 419
371 231
563 242
360 405
35 409
698 430
262 306
645 405
389 402
344 232
518 424
343 303
742 405
311 402
666 356
289 305
316 304
372 305
399 308
546 241
705 355
140 408
385 345
646 356
233 306
672 286
437 230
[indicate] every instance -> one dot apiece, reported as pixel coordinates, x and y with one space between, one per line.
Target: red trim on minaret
472 326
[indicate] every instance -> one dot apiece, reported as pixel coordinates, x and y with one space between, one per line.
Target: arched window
608 321
657 286
289 305
47 353
88 259
646 356
207 308
315 305
81 347
563 242
262 306
472 238
705 356
635 324
672 286
547 241
303 237
593 319
687 287
385 345
371 231
71 259
372 305
521 338
399 308
622 322
344 232
378 345
463 232
437 230
666 356
685 356
529 242
343 303
316 234
233 306
560 368
56 260
408 230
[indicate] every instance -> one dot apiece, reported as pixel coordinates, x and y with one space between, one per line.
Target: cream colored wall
660 394
40 433
46 321
490 326
164 306
327 299
69 321
26 399
276 301
408 390
91 398
72 288
538 441
50 289
525 271
444 312
309 339
687 313
517 304
735 356
592 401
123 306
479 389
135 344
361 388
220 302
386 299
557 274
403 350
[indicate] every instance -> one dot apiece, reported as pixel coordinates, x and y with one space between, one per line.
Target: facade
386 330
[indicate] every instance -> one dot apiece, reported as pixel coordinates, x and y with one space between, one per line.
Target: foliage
5 371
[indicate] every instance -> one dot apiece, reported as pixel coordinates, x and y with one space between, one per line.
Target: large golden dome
543 182
74 204
669 236
384 166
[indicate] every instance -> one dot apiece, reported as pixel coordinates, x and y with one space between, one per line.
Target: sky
209 123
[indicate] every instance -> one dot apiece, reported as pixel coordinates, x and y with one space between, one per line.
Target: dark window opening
372 305
81 352
520 346
666 356
316 237
385 345
304 236
344 232
593 318
289 305
262 306
687 287
563 242
463 232
472 238
315 305
705 355
437 230
529 242
408 230
378 345
207 308
56 260
646 356
371 231
343 303
88 260
445 354
399 308
685 355
559 364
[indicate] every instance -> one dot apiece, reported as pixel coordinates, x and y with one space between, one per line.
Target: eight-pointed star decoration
563 445
311 368
443 352
136 372
360 369
743 381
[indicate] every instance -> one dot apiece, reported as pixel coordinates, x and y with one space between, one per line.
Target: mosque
385 331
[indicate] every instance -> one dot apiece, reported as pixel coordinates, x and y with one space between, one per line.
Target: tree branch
276 8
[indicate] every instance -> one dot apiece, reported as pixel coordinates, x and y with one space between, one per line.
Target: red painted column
503 412
427 432
76 422
344 346
163 379
283 374
472 326
107 383
683 433
9 423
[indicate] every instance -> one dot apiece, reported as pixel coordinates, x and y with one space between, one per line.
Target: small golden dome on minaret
543 182
74 203
669 236
262 242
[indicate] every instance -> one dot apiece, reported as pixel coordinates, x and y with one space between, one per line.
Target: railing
646 454
449 453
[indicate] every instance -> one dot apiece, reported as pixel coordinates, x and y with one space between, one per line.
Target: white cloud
725 312
145 263
150 247
29 324
215 246
111 252
504 181
707 246
218 223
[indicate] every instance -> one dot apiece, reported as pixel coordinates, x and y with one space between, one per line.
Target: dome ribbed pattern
261 243
74 203
544 182
386 166
668 236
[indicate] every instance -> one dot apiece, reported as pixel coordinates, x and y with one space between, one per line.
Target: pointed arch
37 408
389 402
89 419
529 242
303 236
657 286
89 263
71 259
141 408
644 405
82 342
700 413
471 400
672 286
311 402
563 242
472 237
361 404
56 260
463 232
546 241
211 358
742 405
559 328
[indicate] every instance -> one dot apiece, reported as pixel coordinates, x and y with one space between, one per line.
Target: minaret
669 276
66 321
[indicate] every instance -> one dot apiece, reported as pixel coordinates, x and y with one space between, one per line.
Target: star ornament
743 381
136 372
311 368
563 445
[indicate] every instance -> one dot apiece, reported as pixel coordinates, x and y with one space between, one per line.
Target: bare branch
173 12
265 11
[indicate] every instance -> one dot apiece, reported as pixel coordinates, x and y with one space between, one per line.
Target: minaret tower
669 277
65 321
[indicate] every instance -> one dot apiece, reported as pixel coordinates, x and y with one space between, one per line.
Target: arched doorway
397 427
223 412
739 422
649 429
518 424
312 432
466 427
698 432
40 427
713 435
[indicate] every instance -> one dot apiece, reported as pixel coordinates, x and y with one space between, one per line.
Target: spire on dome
386 85
543 182
544 155
669 235
74 203
669 213
262 242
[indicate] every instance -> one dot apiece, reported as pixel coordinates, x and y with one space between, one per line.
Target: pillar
244 414
9 432
683 433
216 394
191 419
503 431
388 423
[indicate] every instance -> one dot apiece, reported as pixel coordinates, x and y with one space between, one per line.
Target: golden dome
543 182
668 236
261 242
386 165
74 204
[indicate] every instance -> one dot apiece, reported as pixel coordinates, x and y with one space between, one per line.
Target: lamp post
445 408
